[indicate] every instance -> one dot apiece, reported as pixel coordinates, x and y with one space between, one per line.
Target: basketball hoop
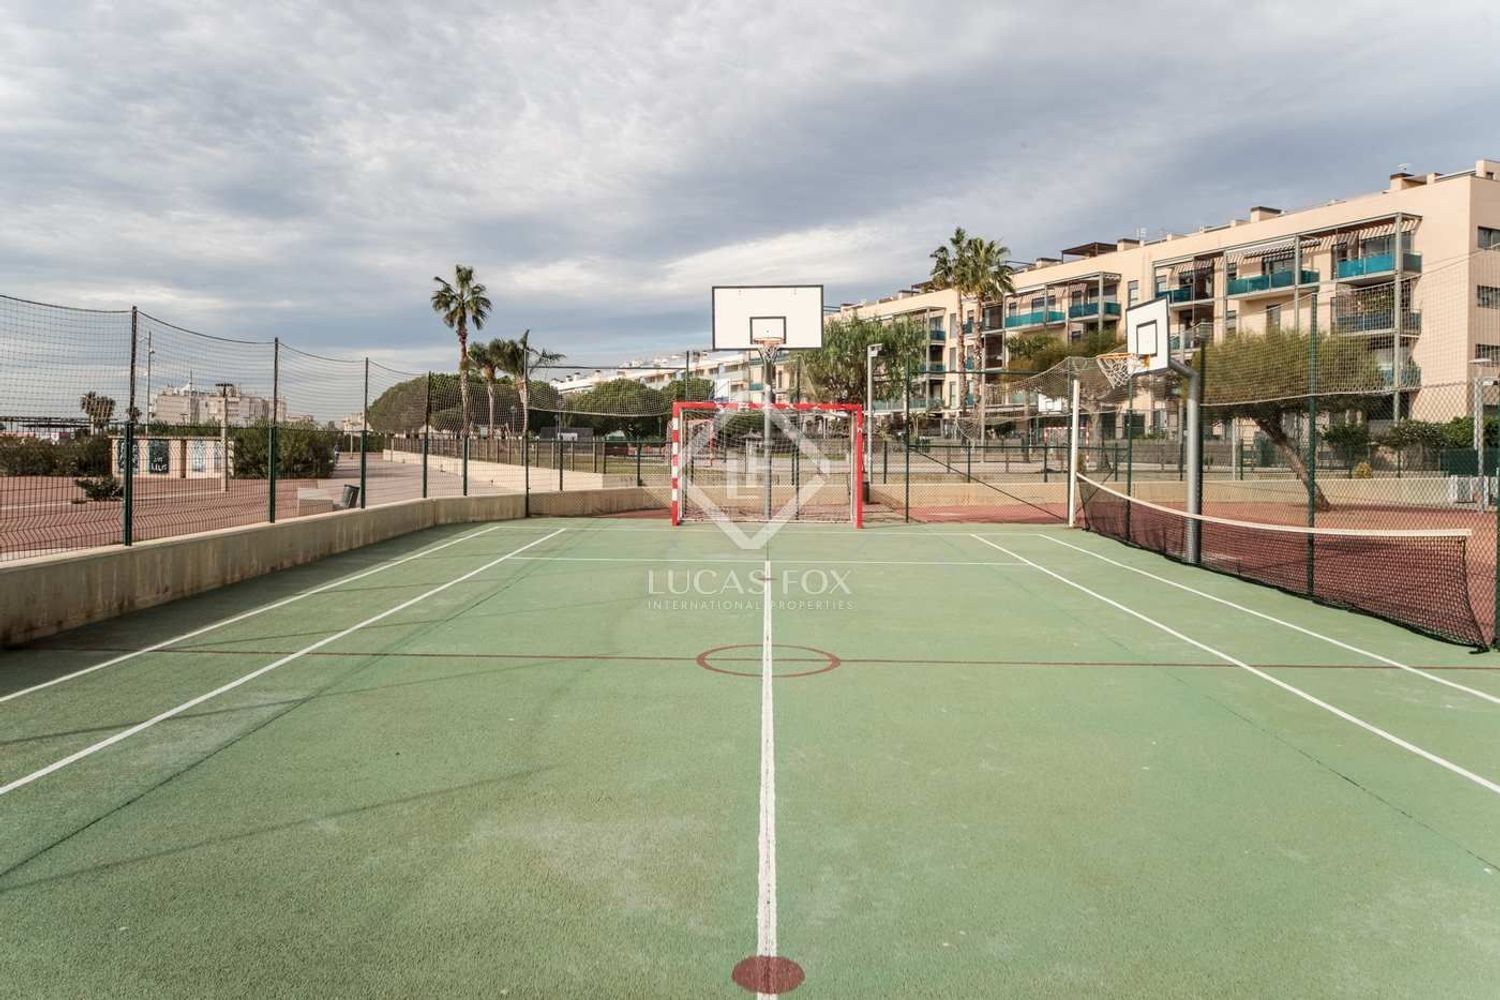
1119 368
769 347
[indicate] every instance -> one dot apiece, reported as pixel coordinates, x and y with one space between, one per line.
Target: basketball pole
1073 395
1194 458
768 353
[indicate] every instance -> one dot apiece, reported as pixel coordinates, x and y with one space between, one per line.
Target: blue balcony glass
1411 375
1182 293
1033 318
1376 322
936 368
1085 309
1269 282
937 335
1380 263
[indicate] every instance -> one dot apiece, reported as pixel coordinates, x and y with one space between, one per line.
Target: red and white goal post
813 469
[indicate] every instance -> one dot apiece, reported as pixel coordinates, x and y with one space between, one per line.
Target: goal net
726 467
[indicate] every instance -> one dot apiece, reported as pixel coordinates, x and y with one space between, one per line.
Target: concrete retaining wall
48 594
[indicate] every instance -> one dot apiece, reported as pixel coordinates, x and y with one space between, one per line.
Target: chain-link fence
117 427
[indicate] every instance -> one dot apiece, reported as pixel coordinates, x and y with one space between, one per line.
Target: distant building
189 404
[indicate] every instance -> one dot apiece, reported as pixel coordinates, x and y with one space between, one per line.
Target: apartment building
1414 269
189 404
736 375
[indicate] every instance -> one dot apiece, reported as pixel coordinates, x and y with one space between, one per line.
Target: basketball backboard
745 315
1147 336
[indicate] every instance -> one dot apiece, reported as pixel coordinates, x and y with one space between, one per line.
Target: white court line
248 614
729 559
1428 755
123 734
1294 627
765 908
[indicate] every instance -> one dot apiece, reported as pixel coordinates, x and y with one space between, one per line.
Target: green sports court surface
544 758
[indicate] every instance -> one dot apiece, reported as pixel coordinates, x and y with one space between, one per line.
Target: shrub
28 456
101 487
303 451
1362 471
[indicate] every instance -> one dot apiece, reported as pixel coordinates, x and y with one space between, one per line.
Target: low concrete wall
969 494
48 594
505 476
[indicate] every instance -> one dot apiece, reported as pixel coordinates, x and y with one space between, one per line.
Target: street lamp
223 388
1480 382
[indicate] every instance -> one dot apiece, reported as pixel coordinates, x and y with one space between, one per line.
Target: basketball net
1118 368
769 348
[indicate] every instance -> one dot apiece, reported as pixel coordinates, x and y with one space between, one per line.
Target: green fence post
466 465
526 481
557 451
638 480
364 439
127 515
1312 456
426 433
906 411
272 453
1044 460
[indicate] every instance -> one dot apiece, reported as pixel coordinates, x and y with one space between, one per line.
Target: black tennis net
1418 579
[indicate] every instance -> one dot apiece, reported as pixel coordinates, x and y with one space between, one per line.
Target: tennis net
1418 579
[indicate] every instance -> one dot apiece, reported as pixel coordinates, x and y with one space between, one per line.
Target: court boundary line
1379 658
242 616
1311 699
765 905
753 562
124 734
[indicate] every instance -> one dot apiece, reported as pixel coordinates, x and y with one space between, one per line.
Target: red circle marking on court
705 658
767 974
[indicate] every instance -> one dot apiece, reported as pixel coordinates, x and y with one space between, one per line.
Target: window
1273 317
1231 270
953 357
1231 321
1489 239
1132 293
1490 352
1489 297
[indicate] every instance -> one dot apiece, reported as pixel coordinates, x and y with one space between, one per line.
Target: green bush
27 456
101 487
303 451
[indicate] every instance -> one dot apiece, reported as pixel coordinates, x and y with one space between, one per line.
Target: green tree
976 268
98 408
486 358
835 372
1349 440
619 404
462 304
689 390
1264 377
519 360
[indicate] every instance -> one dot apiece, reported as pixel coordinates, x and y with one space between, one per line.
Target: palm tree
986 274
98 408
459 304
519 360
486 357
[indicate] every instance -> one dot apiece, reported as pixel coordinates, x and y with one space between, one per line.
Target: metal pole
1478 436
466 465
765 443
275 405
1194 459
364 439
1312 457
127 525
1073 393
224 436
426 433
872 351
906 418
638 480
1397 326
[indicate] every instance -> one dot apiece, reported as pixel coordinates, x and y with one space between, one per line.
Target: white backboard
1147 334
744 312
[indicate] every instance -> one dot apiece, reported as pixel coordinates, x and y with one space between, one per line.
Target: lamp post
223 388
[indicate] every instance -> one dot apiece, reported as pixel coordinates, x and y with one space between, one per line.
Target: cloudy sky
303 169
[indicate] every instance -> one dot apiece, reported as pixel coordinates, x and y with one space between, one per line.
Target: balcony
937 335
1042 317
1411 375
1377 322
935 368
1377 266
1262 284
1086 309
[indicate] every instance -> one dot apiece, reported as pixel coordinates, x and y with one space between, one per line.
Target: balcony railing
937 335
1269 282
1411 375
1185 293
1377 322
1083 309
1033 318
936 368
1380 263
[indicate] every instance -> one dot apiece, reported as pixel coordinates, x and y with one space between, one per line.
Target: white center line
765 910
123 734
1410 747
251 613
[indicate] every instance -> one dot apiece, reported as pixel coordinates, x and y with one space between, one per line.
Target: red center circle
705 659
